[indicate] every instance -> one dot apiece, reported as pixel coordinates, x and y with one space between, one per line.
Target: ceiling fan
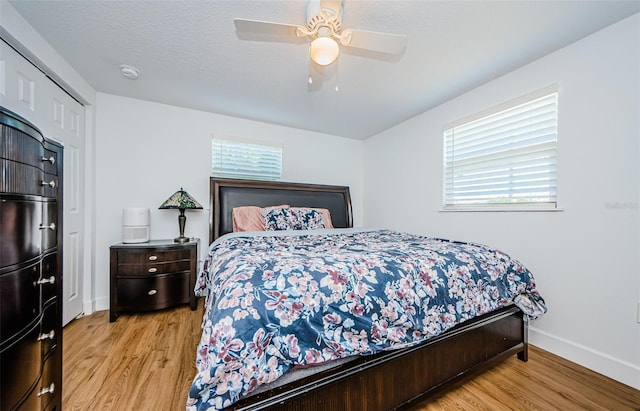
324 31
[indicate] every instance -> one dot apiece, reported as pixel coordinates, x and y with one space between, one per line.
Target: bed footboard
396 379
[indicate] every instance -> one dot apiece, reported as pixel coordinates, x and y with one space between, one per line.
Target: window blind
507 158
233 159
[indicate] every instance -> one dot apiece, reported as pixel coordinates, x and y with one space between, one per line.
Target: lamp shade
181 200
324 50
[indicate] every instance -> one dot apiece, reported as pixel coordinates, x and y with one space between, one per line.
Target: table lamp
182 201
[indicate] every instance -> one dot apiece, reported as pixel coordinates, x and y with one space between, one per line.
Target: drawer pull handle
153 270
51 183
152 292
47 390
49 336
51 159
51 227
50 280
153 257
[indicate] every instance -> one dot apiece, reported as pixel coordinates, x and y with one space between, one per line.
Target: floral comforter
276 300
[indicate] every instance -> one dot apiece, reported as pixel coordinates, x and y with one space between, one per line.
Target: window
234 159
504 159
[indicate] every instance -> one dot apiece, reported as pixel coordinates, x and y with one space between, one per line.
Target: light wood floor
146 362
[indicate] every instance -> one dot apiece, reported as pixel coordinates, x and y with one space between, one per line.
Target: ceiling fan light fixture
324 50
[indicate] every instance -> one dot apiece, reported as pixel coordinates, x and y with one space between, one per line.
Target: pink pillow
250 218
326 215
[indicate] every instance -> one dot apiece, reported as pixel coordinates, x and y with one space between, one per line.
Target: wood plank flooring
146 362
140 362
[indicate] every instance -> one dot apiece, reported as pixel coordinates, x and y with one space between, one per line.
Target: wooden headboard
226 193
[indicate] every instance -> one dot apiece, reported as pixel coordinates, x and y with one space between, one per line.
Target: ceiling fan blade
265 27
374 41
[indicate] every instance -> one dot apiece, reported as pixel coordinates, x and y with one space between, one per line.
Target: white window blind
233 159
504 159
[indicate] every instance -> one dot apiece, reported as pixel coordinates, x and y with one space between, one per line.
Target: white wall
586 258
146 151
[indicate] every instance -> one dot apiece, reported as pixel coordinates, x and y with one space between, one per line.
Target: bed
388 369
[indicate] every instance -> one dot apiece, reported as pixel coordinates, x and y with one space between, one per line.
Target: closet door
26 91
66 124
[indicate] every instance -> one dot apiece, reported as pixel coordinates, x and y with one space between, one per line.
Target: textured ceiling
190 55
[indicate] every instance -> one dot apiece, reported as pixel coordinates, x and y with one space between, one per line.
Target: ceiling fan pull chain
337 77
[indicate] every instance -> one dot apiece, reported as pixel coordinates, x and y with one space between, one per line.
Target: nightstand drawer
150 256
153 292
153 269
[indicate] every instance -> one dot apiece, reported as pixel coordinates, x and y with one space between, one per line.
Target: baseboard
622 371
102 304
91 306
88 307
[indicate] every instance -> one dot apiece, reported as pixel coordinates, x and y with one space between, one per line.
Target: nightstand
152 276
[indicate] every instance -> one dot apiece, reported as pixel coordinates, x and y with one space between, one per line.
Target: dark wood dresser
30 267
153 275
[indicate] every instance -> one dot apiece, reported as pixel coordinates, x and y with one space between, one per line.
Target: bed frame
385 381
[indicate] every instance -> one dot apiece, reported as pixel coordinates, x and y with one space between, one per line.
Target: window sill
500 210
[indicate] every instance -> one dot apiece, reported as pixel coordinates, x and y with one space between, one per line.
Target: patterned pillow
250 218
276 219
326 215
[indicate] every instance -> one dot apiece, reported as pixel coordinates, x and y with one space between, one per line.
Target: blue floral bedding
277 300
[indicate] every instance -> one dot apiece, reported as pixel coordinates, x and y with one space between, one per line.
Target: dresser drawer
28 150
49 385
25 179
20 238
19 300
23 355
20 146
153 292
41 395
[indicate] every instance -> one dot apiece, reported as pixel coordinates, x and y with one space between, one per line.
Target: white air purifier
135 225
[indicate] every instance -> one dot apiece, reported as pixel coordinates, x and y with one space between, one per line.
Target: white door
68 126
26 91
